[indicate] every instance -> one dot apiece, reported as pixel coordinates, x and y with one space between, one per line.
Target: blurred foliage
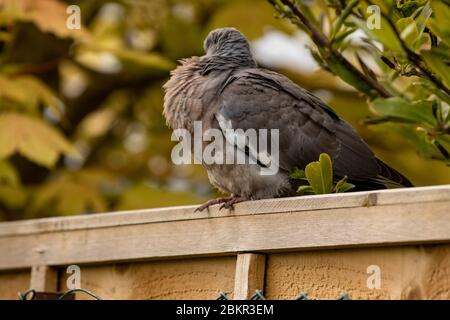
81 128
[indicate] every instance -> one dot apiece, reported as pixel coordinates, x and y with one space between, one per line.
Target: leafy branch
415 45
333 57
413 57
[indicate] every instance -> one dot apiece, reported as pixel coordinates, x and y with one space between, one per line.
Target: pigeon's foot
231 202
213 202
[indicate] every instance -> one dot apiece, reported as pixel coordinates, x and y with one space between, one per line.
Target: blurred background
81 126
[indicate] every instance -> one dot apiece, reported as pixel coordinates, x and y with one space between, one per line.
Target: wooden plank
267 206
406 272
392 224
250 269
44 278
13 282
199 278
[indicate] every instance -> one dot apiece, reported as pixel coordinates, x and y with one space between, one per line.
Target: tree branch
323 42
413 57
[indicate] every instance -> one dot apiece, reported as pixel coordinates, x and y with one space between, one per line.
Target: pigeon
226 90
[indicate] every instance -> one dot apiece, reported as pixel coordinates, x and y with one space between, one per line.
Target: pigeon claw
211 203
231 202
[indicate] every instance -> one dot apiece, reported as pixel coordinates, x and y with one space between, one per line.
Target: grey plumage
225 85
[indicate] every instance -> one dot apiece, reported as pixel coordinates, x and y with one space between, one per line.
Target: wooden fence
323 245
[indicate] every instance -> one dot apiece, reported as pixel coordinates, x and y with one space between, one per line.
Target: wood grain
44 278
13 282
250 272
266 206
287 231
407 272
319 244
201 278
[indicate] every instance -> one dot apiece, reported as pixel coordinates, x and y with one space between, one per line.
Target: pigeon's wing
261 99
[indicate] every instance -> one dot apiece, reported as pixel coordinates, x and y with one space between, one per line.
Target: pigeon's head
227 42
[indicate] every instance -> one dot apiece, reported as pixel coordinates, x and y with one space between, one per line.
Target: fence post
249 276
44 278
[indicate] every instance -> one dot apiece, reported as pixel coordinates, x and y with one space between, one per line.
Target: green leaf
343 16
444 152
320 174
407 8
417 112
411 34
343 185
428 87
422 19
305 189
408 31
438 65
297 174
348 76
386 35
438 21
338 40
417 139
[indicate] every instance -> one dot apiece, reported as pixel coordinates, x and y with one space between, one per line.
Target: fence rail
253 231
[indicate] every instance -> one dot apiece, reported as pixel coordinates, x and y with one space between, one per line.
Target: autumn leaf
123 61
32 138
36 93
70 193
48 15
12 197
8 174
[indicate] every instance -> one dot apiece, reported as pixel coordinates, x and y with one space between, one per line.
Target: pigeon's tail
387 178
392 177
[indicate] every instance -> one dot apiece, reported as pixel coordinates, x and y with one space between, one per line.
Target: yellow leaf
32 138
56 197
43 93
12 197
115 61
48 16
8 174
97 123
12 89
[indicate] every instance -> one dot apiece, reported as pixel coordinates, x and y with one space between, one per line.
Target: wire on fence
31 294
27 295
258 295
